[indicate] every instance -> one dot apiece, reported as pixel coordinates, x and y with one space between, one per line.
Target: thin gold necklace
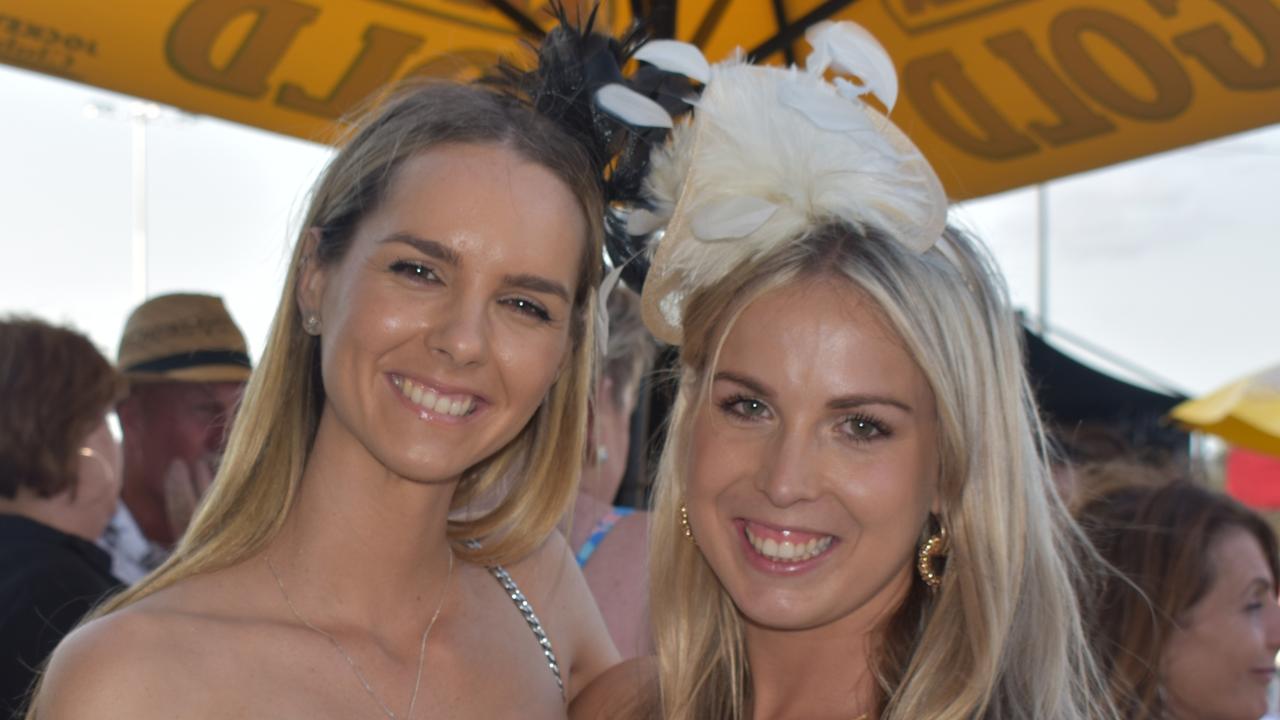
355 667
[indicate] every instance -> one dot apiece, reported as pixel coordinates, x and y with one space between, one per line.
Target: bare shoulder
117 666
548 556
627 690
164 656
550 575
553 583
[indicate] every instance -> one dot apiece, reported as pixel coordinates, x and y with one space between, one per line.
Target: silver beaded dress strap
526 610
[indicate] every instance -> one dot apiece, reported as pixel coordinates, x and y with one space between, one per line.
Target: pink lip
773 567
767 530
424 414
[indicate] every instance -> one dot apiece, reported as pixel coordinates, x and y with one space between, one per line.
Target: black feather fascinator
579 83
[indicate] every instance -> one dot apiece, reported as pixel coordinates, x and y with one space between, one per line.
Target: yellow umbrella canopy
1245 413
996 93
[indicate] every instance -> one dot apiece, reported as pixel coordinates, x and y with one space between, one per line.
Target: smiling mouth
789 546
459 405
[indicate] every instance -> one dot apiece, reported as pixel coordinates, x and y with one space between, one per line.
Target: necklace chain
355 667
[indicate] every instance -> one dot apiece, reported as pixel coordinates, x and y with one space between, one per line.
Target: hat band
182 361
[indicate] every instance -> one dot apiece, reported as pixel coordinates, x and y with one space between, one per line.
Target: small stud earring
602 454
311 324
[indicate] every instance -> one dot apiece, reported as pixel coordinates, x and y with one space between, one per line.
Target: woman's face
813 464
449 318
1221 657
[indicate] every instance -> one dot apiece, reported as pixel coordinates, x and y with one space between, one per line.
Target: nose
460 331
1271 618
789 474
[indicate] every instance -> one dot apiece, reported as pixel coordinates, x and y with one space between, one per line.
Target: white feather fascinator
770 152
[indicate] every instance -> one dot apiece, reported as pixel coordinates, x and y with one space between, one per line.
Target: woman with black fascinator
380 540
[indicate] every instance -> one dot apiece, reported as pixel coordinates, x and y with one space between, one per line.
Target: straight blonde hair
1003 636
276 422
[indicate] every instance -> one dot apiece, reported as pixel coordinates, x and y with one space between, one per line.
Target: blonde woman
432 347
853 514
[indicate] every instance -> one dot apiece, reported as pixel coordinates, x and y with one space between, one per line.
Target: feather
578 83
602 308
824 108
631 107
848 48
730 218
791 153
677 57
643 222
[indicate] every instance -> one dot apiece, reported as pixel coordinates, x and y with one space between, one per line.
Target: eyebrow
449 256
845 402
755 387
430 248
538 284
1258 583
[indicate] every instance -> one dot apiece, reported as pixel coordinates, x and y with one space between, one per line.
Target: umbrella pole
1042 258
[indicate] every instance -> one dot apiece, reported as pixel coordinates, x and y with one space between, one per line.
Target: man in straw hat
186 362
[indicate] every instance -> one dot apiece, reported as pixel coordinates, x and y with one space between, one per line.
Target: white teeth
786 551
455 405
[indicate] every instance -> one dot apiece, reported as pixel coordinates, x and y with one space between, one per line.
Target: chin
780 611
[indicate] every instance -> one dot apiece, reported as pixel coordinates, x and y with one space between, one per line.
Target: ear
312 277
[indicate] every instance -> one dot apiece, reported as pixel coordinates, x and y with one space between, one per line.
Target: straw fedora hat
183 338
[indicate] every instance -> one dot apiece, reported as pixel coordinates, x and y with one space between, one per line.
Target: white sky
1171 262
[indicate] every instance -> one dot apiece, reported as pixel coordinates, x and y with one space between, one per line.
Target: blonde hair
277 419
1003 636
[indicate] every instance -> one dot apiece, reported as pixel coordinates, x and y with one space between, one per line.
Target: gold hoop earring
684 522
935 547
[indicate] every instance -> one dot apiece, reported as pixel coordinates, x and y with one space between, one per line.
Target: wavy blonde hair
277 418
1003 636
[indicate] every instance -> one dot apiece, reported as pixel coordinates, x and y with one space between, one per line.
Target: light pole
140 113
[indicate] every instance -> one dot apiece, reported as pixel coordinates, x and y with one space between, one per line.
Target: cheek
1200 662
710 467
719 468
884 487
530 361
361 317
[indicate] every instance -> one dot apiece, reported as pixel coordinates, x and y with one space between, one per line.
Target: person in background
186 362
610 541
59 484
1188 625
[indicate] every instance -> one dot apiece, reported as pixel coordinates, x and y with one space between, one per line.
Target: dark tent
1093 415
